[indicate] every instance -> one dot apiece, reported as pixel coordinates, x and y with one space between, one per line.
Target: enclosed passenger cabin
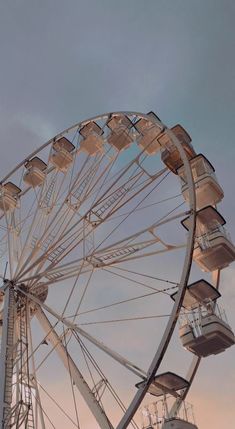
213 248
92 142
149 131
206 332
164 383
182 419
121 135
9 196
204 329
91 128
208 190
162 414
170 155
62 156
35 172
198 293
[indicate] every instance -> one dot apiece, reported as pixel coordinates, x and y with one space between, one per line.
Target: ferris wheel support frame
71 367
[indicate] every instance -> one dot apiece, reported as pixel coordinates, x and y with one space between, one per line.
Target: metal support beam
77 377
38 403
6 358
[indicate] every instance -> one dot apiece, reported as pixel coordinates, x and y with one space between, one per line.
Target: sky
62 62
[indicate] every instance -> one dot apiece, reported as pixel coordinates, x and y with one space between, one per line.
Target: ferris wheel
104 232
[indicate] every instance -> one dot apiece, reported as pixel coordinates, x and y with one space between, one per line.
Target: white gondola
171 156
93 141
213 248
198 293
121 135
35 172
9 196
208 190
149 133
91 128
160 414
166 382
206 332
176 423
62 156
204 329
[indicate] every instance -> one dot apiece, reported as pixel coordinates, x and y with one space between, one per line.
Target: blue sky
64 61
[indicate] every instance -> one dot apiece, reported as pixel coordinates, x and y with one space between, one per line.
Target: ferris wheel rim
180 295
187 264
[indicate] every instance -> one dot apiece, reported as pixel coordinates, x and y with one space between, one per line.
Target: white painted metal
70 365
6 359
170 327
208 190
214 250
39 407
207 332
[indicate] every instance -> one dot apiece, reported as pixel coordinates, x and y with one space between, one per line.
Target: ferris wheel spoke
59 406
38 217
51 230
114 304
120 197
63 273
89 183
69 270
119 251
116 356
113 199
144 207
46 203
63 219
90 362
121 245
47 199
168 248
44 412
149 230
9 244
125 319
60 244
74 327
73 191
63 246
111 353
164 291
122 249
